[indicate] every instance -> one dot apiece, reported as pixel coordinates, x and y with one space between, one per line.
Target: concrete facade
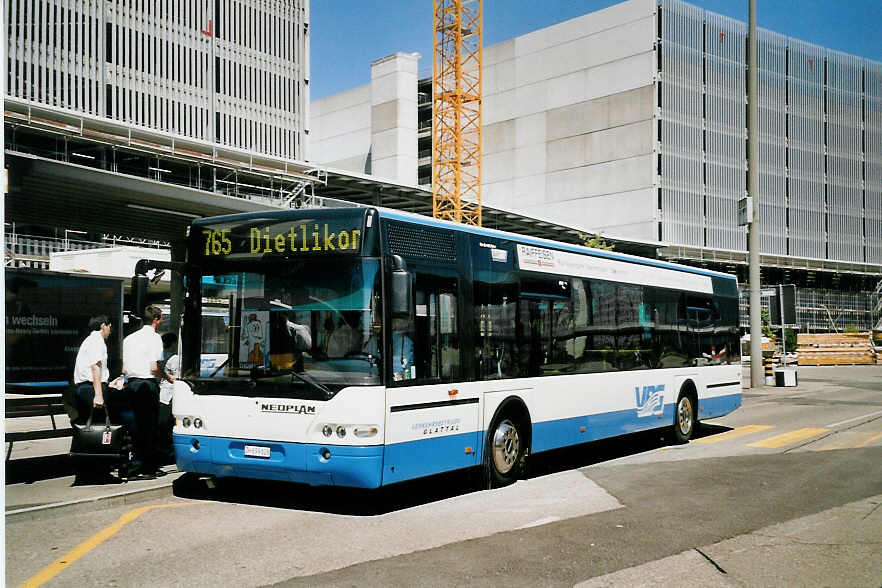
568 122
340 133
373 128
632 121
394 117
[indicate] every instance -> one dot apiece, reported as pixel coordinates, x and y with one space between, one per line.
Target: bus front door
434 418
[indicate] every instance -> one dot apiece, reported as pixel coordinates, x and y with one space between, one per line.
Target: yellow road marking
870 440
91 543
788 438
734 433
841 440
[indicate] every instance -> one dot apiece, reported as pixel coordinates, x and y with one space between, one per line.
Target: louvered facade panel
873 161
806 210
772 128
157 66
820 141
724 63
55 53
806 179
682 200
723 231
844 150
682 185
233 72
261 87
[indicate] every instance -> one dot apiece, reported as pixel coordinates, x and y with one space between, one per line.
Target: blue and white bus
365 347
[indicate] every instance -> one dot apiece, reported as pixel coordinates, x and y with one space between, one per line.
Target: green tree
767 323
790 339
596 241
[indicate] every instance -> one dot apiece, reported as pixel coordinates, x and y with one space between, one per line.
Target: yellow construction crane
456 111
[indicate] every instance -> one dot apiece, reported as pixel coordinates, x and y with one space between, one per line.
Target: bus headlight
190 421
360 431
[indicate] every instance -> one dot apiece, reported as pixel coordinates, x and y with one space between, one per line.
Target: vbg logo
650 400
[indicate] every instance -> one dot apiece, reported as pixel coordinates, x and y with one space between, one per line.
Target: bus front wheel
506 446
684 418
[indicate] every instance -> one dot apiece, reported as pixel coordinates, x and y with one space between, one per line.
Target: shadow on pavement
33 469
359 502
587 454
706 430
326 499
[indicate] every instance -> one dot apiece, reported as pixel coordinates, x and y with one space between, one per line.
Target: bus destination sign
307 237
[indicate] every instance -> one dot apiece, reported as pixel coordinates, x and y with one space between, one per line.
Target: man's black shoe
159 473
143 476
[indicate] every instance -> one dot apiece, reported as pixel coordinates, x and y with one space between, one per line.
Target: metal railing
34 250
127 149
825 310
877 308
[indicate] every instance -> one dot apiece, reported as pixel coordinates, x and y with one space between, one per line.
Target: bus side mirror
400 287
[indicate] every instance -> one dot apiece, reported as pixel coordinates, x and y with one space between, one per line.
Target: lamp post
757 374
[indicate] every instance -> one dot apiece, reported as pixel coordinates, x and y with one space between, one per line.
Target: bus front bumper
306 463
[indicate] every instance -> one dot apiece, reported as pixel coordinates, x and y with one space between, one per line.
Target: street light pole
757 374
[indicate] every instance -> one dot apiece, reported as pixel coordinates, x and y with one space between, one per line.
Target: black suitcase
97 444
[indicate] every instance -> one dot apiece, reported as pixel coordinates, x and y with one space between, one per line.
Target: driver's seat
343 340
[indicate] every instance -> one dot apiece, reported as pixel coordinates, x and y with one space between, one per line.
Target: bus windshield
294 329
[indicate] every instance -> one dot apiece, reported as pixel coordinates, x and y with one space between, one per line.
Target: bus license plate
257 451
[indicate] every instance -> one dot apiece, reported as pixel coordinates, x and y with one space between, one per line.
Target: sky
347 35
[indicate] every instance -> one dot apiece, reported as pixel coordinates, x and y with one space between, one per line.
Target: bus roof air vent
416 241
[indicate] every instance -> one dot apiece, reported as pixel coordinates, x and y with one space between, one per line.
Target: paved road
785 491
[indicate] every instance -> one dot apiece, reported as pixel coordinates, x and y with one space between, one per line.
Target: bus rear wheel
684 418
505 452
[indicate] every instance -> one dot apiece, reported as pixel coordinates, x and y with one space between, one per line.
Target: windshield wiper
220 367
313 382
263 373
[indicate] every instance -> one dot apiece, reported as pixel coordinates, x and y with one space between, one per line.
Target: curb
89 504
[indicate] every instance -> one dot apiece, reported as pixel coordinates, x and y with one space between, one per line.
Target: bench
31 406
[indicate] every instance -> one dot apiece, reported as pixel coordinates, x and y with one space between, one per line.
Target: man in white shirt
90 378
142 354
90 370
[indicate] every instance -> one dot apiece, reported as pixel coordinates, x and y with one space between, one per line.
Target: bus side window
669 336
546 326
561 358
701 316
448 341
436 349
595 342
495 325
534 321
633 328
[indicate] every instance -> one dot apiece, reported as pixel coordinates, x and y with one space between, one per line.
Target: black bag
69 401
101 442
